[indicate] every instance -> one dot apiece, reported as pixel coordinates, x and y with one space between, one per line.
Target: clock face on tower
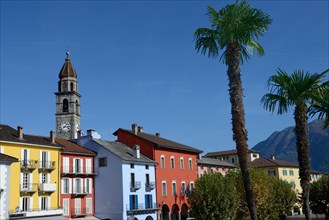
65 126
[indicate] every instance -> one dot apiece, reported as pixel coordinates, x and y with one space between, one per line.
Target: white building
5 162
125 184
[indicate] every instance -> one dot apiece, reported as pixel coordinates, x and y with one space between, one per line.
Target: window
191 186
44 159
164 188
77 203
148 201
147 177
190 167
182 163
66 186
284 172
77 166
132 180
174 189
87 186
78 183
232 159
25 204
66 207
25 162
26 183
183 188
65 105
293 184
172 162
254 155
271 172
162 160
44 203
132 166
71 86
133 202
291 172
102 162
146 167
89 205
44 178
88 166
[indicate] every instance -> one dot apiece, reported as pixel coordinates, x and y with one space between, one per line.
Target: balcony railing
29 164
19 212
47 165
70 170
78 212
29 187
135 185
81 191
47 187
149 186
141 207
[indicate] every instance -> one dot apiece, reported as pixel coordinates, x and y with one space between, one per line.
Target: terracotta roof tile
73 148
266 162
227 152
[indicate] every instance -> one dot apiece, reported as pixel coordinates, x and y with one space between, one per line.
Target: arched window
71 87
77 109
65 105
64 87
59 87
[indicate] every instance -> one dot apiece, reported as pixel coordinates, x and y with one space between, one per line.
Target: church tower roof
67 69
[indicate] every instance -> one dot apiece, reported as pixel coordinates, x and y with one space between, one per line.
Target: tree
235 29
319 196
320 104
272 196
296 91
214 197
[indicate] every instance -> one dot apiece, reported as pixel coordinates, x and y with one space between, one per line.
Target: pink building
207 165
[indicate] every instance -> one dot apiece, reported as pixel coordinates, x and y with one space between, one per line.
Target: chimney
94 134
140 129
136 150
272 157
157 134
134 128
52 137
20 132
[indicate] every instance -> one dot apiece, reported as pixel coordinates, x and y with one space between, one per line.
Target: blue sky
136 63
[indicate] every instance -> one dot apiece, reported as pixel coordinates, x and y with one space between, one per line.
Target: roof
9 134
70 147
6 158
215 162
266 162
162 142
227 152
67 69
123 151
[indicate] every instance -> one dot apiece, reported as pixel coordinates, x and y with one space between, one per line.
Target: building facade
128 177
67 102
231 156
5 162
210 165
77 180
34 185
176 171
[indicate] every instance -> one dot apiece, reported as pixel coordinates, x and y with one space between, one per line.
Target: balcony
18 213
77 171
141 208
47 187
29 187
47 165
78 191
149 186
79 212
27 165
135 186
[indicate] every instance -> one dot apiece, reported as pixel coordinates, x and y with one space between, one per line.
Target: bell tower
67 102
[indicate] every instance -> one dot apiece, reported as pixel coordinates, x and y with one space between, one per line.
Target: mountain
282 144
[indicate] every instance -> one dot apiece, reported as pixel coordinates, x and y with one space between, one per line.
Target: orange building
176 171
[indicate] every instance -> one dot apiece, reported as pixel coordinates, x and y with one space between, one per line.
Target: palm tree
234 30
296 90
320 104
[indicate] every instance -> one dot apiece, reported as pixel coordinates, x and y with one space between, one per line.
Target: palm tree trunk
303 153
238 121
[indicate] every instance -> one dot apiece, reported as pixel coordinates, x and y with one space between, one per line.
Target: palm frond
205 42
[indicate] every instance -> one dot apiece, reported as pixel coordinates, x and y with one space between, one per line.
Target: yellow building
34 181
281 169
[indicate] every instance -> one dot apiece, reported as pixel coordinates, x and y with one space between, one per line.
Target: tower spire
68 55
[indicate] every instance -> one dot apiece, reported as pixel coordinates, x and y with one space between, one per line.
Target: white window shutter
74 161
31 202
20 203
40 200
70 185
40 177
88 165
81 184
48 177
28 154
62 186
48 201
90 185
74 186
1 150
22 154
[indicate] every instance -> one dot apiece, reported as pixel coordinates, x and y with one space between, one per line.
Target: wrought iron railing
47 165
29 187
29 164
135 185
150 185
77 170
